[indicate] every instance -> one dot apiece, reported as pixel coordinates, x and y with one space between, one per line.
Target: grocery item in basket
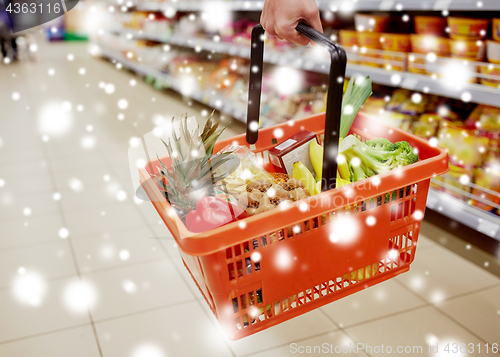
277 194
363 160
430 25
467 28
316 156
257 201
496 29
250 167
212 212
473 50
370 23
295 148
357 92
280 177
493 52
302 173
299 193
191 174
293 184
259 185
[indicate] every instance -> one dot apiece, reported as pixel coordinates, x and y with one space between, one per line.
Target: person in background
280 17
6 33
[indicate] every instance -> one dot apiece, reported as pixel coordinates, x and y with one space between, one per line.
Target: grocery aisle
72 236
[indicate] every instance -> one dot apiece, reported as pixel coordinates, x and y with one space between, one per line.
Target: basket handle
333 101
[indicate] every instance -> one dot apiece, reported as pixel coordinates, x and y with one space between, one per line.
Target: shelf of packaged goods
470 92
444 203
298 58
458 210
344 6
207 97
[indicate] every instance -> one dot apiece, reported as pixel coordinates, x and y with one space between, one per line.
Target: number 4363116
32 8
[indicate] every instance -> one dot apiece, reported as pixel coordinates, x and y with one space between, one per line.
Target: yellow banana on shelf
302 173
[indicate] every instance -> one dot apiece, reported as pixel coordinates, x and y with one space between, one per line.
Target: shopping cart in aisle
285 262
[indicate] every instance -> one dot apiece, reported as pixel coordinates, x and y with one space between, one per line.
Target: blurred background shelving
337 5
430 79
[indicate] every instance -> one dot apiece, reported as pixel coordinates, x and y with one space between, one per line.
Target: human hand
280 17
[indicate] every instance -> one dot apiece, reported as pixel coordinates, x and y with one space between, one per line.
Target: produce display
209 190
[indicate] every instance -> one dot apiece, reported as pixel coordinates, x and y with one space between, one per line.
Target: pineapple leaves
210 127
210 142
193 172
212 164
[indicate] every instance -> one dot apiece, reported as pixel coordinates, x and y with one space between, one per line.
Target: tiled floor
82 275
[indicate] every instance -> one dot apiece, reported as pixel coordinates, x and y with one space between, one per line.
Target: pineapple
192 174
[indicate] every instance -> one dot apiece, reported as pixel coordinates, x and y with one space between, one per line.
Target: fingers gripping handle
333 102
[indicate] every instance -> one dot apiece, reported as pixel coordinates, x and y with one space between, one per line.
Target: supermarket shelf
476 93
460 211
454 208
335 5
207 97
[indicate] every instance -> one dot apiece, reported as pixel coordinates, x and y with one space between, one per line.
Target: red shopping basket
269 268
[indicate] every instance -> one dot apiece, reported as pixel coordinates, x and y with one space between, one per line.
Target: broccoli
373 157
